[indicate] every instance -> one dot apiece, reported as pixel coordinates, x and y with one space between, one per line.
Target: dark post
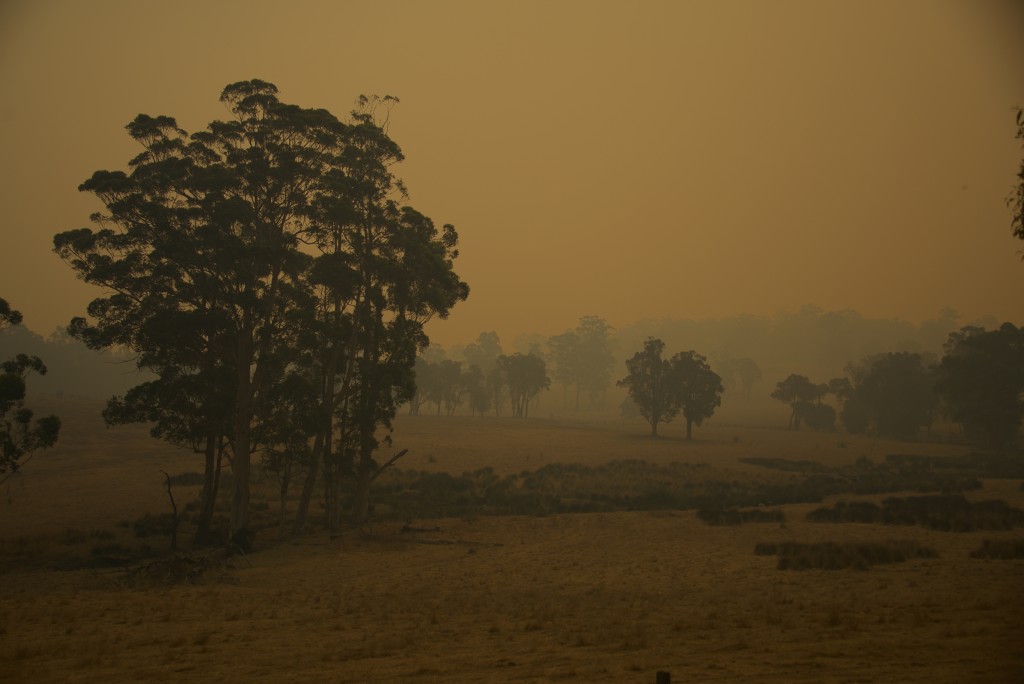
663 677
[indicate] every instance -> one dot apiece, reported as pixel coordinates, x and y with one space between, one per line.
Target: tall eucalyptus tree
204 253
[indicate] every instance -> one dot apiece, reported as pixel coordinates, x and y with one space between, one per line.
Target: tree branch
390 463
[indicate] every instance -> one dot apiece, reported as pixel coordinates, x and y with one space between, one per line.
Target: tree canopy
583 357
981 381
269 244
700 388
661 388
798 392
526 375
20 436
892 394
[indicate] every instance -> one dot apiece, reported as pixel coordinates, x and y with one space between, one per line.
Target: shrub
1003 549
833 556
843 511
153 525
734 516
946 512
70 537
786 465
189 479
952 513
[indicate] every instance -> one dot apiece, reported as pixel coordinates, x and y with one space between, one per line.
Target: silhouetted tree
799 393
188 410
699 387
477 393
895 392
8 316
583 356
451 388
526 375
201 252
649 383
20 437
661 388
287 427
484 352
497 386
424 371
596 358
564 353
981 380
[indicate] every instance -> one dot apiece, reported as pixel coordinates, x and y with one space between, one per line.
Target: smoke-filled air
459 341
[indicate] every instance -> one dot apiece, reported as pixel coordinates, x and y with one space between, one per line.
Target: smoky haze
653 160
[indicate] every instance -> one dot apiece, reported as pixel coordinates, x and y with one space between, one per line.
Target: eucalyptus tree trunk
241 463
308 484
208 498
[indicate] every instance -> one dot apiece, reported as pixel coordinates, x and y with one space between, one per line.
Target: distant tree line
74 369
978 383
485 378
269 275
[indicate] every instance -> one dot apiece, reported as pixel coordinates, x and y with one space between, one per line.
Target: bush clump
834 556
153 525
736 516
944 512
189 479
1003 549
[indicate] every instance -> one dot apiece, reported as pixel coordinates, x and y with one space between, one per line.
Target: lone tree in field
19 436
699 386
649 383
661 388
201 255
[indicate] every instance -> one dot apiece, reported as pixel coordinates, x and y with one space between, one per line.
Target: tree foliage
893 393
526 375
269 243
20 436
583 357
981 381
700 388
661 388
799 393
806 401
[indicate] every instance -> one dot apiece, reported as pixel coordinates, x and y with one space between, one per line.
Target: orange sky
641 159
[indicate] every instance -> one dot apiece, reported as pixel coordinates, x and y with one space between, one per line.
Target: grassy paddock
605 596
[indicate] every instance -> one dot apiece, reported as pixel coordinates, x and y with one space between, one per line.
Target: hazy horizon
689 160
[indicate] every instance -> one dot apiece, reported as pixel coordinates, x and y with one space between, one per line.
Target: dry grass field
598 597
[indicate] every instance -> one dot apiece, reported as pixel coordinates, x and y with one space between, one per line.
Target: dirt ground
607 597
